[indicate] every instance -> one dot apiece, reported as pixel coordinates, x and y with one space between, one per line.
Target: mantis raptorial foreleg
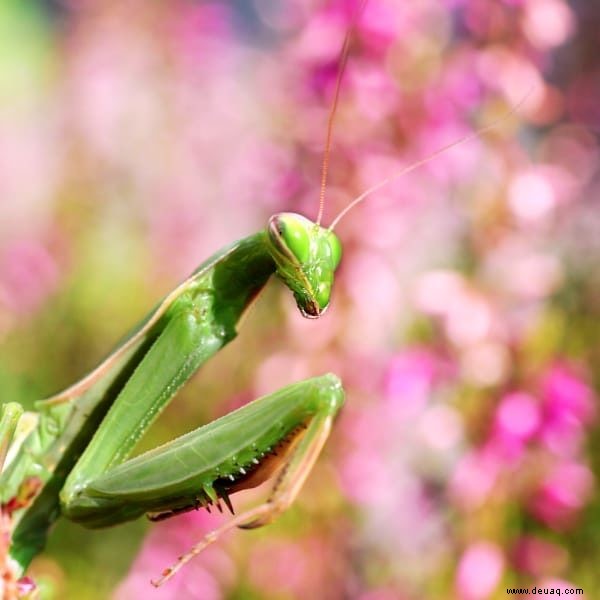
299 452
238 451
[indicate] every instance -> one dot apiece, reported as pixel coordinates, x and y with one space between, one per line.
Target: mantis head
306 256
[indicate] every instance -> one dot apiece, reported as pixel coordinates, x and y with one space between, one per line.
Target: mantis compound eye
292 232
336 249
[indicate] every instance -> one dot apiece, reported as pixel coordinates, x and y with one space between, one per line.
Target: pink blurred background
138 138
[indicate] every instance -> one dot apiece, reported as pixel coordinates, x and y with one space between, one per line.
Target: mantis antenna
342 67
419 163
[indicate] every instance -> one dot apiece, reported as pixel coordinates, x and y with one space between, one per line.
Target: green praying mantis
70 458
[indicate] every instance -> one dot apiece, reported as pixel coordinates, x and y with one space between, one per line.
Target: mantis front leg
282 432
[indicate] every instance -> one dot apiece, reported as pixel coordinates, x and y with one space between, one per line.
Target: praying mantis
71 457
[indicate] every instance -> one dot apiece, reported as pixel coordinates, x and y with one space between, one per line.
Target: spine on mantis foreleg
222 287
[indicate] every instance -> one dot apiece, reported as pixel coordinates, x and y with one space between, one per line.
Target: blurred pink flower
301 568
479 571
206 576
547 23
487 363
532 197
535 276
567 395
516 421
562 494
474 477
468 315
386 449
518 415
435 290
538 557
410 378
562 436
28 274
192 24
568 406
383 23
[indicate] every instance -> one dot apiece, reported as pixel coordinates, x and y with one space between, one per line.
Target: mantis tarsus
71 457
